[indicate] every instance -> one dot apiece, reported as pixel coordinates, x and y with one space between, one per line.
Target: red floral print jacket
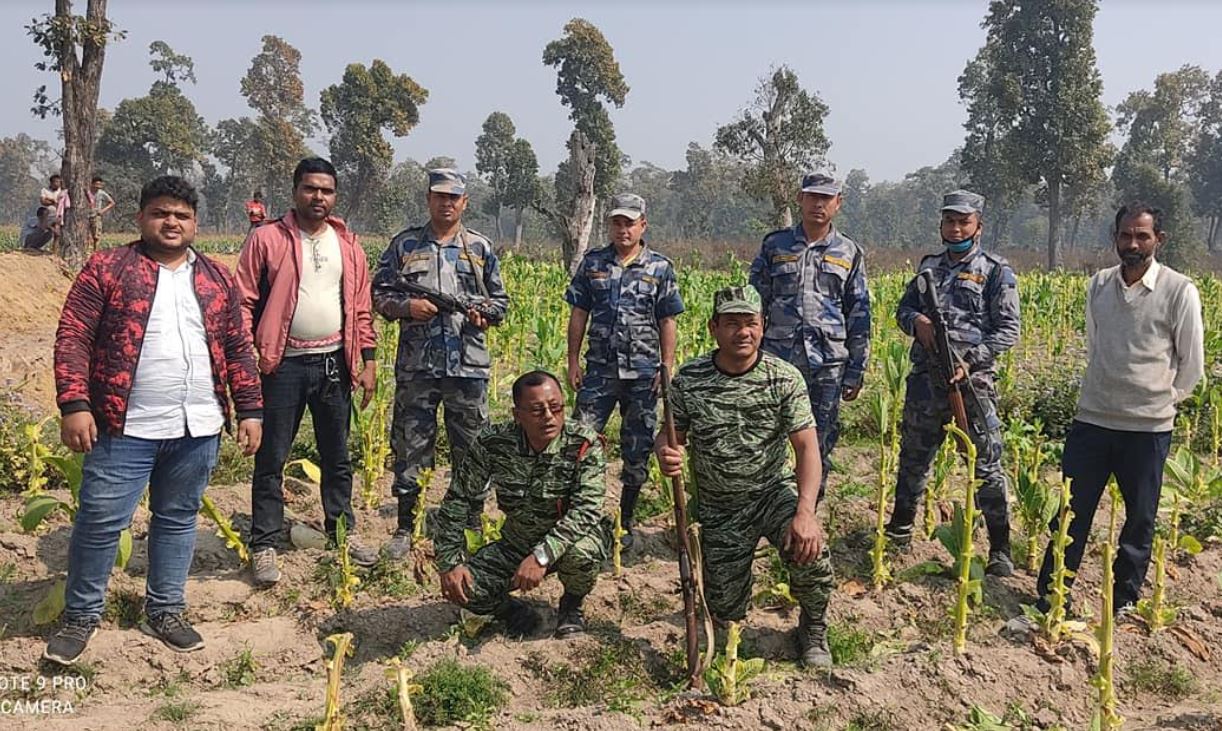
101 331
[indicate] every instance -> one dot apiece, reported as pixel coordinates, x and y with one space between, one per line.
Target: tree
1039 70
711 204
75 49
511 168
273 88
985 157
356 111
1204 162
586 75
780 136
174 66
24 162
576 225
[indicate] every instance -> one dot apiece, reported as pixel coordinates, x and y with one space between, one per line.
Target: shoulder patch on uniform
596 274
842 263
476 261
649 278
784 258
971 276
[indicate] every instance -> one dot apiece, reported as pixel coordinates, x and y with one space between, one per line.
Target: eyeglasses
541 411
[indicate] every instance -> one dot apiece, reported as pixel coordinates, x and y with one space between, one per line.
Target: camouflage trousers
638 408
729 534
413 431
825 387
926 411
493 566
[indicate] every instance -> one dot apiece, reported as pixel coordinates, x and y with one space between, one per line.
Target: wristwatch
540 554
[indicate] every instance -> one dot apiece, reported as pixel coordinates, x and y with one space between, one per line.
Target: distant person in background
36 232
100 203
55 197
256 211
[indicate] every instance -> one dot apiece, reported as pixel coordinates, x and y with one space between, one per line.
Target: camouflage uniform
979 300
817 314
738 436
553 499
626 304
443 360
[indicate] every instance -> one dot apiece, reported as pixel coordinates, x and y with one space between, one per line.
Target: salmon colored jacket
269 275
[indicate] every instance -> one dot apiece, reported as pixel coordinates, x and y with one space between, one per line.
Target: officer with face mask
978 298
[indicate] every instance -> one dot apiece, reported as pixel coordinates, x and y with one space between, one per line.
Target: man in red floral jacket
149 351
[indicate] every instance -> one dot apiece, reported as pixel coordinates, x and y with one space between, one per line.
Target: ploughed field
265 664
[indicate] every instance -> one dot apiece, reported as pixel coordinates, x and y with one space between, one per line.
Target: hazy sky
888 70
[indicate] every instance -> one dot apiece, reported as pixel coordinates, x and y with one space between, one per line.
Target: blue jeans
116 471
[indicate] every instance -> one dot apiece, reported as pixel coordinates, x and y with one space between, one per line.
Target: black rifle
944 358
452 303
687 582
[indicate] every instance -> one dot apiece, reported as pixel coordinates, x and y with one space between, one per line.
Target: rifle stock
943 355
687 583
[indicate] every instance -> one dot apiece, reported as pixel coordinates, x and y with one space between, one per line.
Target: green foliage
241 670
1169 681
611 672
728 677
849 643
779 137
453 693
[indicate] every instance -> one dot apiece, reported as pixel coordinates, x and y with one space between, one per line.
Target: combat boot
813 651
899 528
570 622
1000 564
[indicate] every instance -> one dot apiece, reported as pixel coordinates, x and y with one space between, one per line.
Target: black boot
627 510
813 651
520 619
1000 564
571 621
899 528
400 545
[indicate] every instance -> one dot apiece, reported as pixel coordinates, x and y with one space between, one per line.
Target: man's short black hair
1137 208
42 211
97 179
314 165
56 176
531 380
169 186
257 194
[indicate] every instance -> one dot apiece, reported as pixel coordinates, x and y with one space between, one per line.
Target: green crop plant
423 568
489 531
968 579
36 454
333 716
1034 501
343 577
312 472
1106 718
776 592
1154 610
728 677
420 511
372 424
1052 623
404 689
617 549
880 573
225 529
936 492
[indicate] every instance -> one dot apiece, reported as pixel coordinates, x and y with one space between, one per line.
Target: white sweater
1145 350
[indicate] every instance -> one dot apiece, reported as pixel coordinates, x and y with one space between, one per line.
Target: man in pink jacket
305 291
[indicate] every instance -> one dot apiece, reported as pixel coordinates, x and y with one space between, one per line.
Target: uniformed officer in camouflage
812 279
548 475
443 357
738 410
978 295
626 293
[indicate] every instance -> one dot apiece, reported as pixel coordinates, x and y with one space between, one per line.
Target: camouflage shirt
625 303
550 498
446 345
816 303
979 299
738 427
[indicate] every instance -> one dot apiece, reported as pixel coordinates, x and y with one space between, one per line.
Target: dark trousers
825 387
322 384
1092 455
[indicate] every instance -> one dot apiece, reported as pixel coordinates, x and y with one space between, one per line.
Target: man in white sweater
1144 354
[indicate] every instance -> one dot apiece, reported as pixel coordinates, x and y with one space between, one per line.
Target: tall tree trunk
81 81
1054 223
1073 231
517 227
1213 234
581 222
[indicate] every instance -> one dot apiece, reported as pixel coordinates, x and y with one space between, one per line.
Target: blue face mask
958 247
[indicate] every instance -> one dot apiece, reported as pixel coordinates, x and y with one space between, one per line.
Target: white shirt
172 392
319 316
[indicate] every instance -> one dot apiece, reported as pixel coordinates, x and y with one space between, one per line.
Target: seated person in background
37 233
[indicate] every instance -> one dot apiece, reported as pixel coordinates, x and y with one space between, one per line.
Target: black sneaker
900 535
173 631
570 622
68 643
520 619
999 564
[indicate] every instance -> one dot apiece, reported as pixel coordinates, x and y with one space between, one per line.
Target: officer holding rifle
962 310
425 279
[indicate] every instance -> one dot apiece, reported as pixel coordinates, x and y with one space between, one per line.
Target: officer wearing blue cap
812 279
978 296
443 356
